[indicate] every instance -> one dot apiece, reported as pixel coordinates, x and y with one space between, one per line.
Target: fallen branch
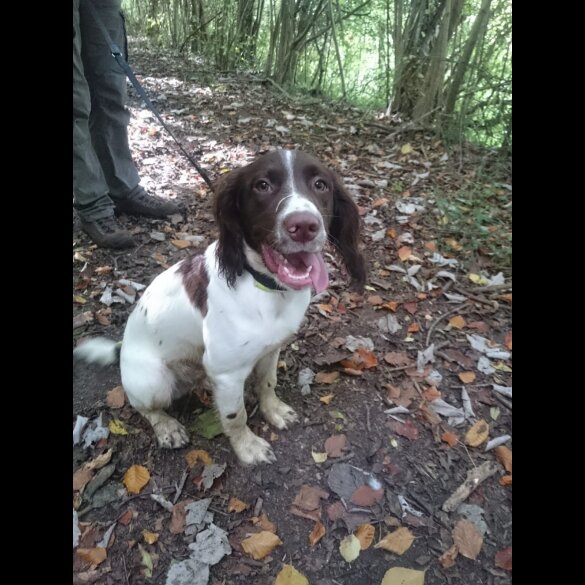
475 476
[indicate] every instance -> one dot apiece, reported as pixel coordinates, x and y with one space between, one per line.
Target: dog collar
263 281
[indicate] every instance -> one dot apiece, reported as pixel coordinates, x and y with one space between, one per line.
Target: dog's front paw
252 449
279 414
171 434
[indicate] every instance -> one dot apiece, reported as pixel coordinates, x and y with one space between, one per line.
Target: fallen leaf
391 305
126 518
181 244
81 478
177 524
478 279
365 534
327 398
93 556
458 322
398 359
431 246
404 253
375 300
79 299
261 544
208 424
454 244
117 427
326 377
506 297
504 456
319 457
502 367
504 559
365 496
335 445
309 497
467 538
379 202
397 542
198 455
393 391
149 537
449 438
467 377
411 307
237 506
406 148
115 398
317 533
146 559
264 522
406 429
506 480
447 559
431 394
402 576
288 575
350 548
136 478
508 340
477 434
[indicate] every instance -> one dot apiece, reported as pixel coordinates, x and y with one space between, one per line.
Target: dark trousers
102 163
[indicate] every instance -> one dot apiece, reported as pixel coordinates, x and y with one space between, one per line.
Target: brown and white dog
231 309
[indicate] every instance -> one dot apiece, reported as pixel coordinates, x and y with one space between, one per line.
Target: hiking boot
139 202
106 232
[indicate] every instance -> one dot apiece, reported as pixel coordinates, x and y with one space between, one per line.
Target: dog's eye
263 186
320 185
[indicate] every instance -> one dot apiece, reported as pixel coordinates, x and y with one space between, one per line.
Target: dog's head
284 207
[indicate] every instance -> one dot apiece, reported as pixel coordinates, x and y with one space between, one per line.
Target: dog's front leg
275 411
229 400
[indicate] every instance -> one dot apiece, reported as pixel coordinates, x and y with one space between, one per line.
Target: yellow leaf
406 148
149 537
319 457
467 377
502 367
402 576
349 548
478 279
198 455
397 542
237 506
317 533
181 244
454 244
117 427
365 534
458 322
404 253
477 434
79 299
288 575
260 544
93 556
326 399
136 478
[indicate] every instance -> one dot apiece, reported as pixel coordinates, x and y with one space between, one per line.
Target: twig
331 462
125 570
460 309
472 481
181 485
368 424
491 288
493 304
290 97
504 401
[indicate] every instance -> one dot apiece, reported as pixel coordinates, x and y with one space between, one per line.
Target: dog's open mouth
297 270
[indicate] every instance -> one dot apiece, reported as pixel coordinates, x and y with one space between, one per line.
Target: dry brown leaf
504 456
391 232
431 394
81 478
335 445
365 496
449 438
452 243
326 399
406 429
136 478
506 480
506 297
467 538
392 391
504 559
398 359
103 269
116 397
365 534
431 246
181 244
264 522
391 306
508 340
237 506
261 544
288 575
317 533
404 253
477 434
402 576
411 307
413 328
198 455
379 202
447 559
375 300
93 556
467 377
309 497
149 537
397 542
126 518
458 322
326 377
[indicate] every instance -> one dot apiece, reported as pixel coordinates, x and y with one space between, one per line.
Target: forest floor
432 334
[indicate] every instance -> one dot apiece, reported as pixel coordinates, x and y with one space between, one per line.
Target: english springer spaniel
230 309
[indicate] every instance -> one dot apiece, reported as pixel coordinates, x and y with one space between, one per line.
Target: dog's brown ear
344 234
230 248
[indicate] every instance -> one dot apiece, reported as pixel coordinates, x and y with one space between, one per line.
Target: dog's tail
99 350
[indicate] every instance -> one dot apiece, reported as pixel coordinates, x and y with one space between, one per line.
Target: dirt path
406 309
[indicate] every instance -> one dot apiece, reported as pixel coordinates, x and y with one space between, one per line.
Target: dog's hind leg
274 410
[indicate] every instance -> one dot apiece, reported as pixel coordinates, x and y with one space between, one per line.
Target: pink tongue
317 276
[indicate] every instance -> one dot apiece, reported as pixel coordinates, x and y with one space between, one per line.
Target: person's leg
90 190
109 117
